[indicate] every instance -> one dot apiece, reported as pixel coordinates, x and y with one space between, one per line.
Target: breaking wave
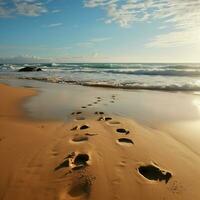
148 76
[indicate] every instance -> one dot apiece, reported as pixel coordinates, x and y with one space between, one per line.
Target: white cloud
176 38
54 25
124 12
31 8
182 17
4 12
95 3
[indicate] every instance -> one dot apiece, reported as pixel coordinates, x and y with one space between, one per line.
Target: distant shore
95 154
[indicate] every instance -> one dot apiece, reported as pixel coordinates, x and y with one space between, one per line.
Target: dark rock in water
30 69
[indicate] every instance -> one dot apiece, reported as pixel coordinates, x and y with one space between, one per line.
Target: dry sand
94 158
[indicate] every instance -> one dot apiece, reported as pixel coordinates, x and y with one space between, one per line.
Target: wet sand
94 155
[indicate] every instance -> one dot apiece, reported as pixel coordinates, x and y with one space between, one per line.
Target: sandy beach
99 100
96 156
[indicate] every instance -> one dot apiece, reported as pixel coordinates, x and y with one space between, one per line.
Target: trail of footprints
96 102
76 161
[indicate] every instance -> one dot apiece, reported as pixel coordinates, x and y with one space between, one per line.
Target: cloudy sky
100 30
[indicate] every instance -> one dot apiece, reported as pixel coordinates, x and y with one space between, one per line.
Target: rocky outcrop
30 69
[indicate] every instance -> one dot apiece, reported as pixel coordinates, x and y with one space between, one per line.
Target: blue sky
100 30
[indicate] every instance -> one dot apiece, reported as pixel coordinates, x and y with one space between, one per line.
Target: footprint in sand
83 127
81 160
74 128
83 107
81 187
107 118
75 161
76 113
154 173
125 140
64 164
89 104
99 113
122 131
104 119
80 138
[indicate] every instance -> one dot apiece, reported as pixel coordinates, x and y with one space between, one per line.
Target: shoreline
111 86
100 157
149 76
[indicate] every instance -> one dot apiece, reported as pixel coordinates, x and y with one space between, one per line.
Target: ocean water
148 76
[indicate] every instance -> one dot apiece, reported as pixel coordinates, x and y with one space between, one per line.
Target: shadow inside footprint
80 138
107 118
152 172
125 140
74 128
83 127
114 122
99 113
64 164
122 130
91 134
81 159
104 119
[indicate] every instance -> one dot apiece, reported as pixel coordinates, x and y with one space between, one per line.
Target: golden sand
99 158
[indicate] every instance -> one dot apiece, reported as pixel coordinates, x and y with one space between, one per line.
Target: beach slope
99 157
